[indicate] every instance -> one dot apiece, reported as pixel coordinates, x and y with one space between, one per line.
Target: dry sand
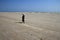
38 26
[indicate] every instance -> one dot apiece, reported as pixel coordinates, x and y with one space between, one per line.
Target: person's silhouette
23 18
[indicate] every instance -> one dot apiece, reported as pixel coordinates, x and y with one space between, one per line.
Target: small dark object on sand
23 18
41 39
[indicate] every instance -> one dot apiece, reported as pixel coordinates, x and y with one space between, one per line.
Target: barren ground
38 26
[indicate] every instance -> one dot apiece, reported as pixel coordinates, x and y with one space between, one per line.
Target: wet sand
37 26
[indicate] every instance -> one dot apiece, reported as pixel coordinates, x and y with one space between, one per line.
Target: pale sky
30 5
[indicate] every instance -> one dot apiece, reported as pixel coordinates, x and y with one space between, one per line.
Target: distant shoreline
38 12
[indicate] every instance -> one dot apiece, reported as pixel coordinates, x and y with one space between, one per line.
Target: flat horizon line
23 11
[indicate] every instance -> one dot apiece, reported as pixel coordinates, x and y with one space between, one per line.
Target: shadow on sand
19 22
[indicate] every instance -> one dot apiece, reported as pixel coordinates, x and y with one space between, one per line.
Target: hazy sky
30 5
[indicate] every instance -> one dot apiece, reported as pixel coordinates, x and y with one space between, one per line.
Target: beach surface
37 26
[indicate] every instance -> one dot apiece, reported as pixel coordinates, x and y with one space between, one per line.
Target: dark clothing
23 18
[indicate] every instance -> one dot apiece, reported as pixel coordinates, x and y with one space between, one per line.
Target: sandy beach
37 26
